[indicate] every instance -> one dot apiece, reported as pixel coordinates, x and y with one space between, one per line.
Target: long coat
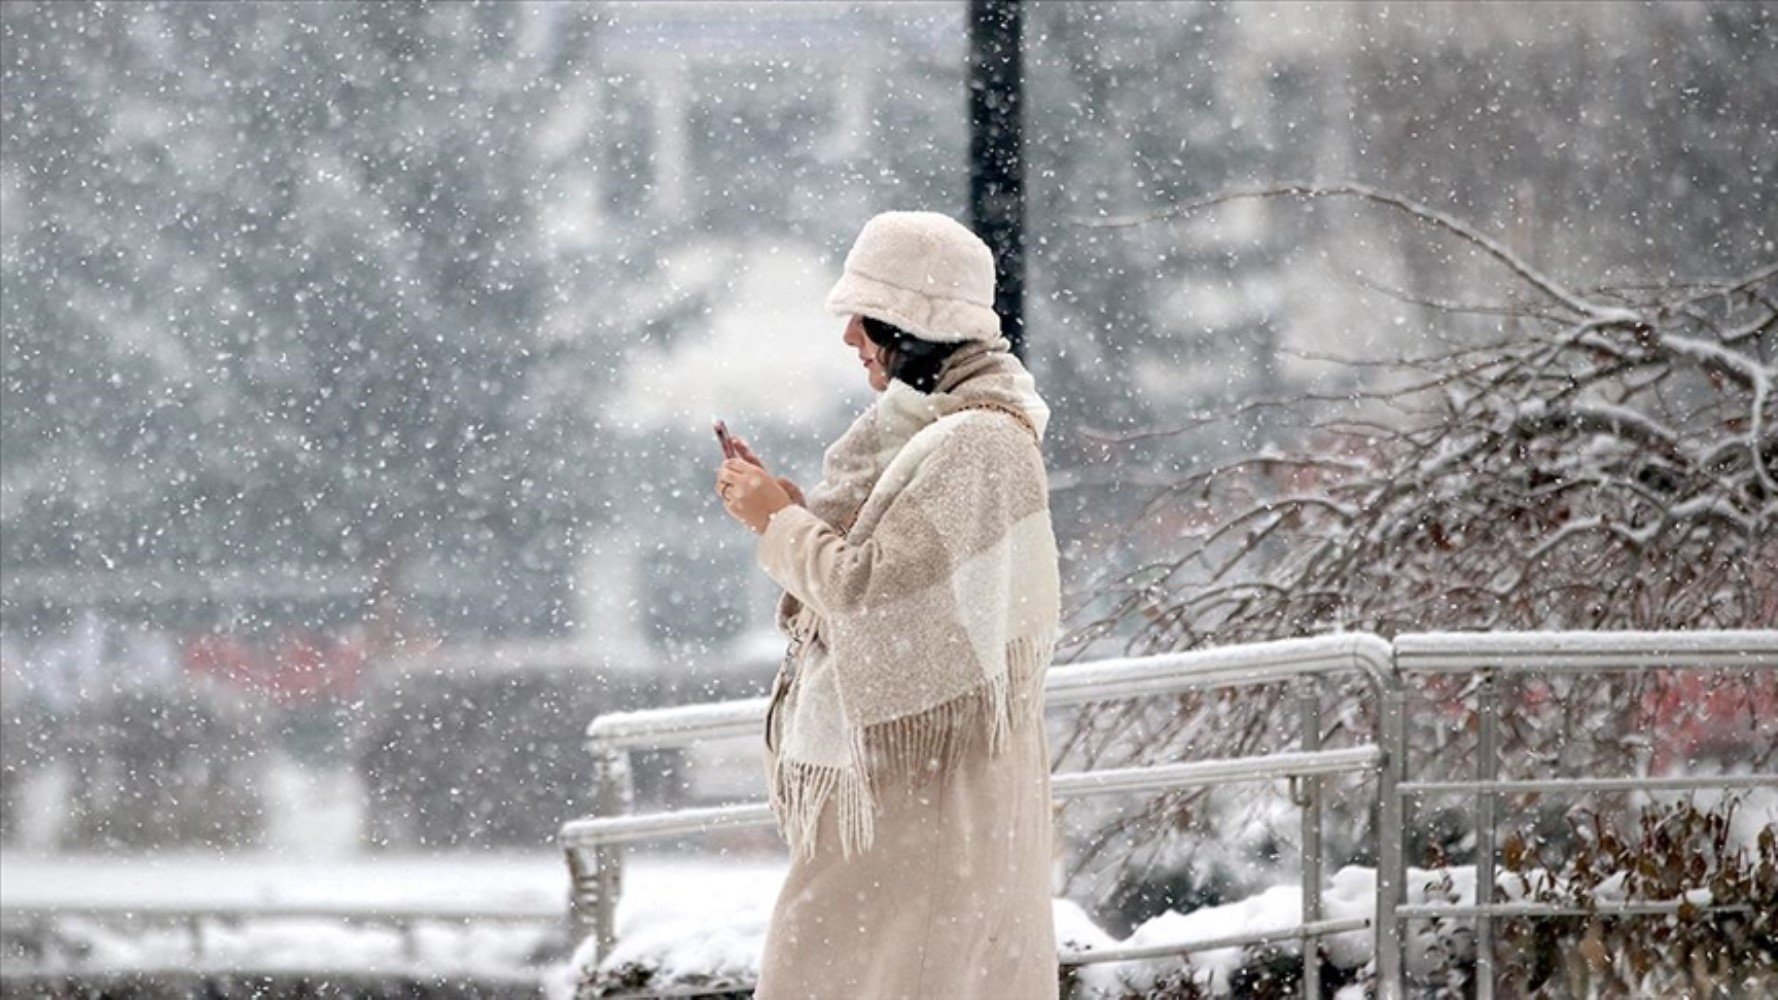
951 901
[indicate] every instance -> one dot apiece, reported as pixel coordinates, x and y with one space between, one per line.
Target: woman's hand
750 493
796 495
745 449
747 454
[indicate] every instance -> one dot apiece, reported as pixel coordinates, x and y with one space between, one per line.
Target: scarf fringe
907 752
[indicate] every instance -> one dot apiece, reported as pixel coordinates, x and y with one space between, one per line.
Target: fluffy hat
924 272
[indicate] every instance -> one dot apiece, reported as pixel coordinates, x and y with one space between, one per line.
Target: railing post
1392 822
1487 769
1309 800
596 888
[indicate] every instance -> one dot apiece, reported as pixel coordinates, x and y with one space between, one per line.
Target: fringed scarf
921 592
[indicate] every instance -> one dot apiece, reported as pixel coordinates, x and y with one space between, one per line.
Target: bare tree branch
1462 230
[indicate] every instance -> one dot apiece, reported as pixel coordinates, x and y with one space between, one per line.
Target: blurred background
360 359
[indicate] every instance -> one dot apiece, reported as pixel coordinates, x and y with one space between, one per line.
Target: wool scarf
921 593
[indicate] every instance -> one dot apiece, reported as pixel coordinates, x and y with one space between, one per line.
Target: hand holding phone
733 447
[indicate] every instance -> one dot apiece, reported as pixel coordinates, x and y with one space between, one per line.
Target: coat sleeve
810 559
909 550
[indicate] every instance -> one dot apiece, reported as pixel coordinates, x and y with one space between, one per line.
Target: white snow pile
691 929
1350 894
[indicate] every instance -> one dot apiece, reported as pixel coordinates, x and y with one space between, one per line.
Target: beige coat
952 900
921 592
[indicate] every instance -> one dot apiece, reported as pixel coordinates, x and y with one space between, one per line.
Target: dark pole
997 153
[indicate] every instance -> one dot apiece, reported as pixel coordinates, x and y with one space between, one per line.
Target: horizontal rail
1427 911
1318 928
1506 787
1230 666
1216 772
593 831
169 978
1268 662
269 911
682 725
1064 685
1585 652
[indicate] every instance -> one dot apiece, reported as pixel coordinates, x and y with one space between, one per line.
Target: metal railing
1490 655
594 846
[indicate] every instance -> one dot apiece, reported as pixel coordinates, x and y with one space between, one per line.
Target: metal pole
1486 766
1309 707
1392 819
996 153
596 887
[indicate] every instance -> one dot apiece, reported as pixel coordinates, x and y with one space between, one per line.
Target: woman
921 601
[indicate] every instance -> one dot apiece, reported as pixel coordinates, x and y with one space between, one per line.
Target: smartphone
728 446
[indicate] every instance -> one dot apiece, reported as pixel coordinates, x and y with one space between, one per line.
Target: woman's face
867 353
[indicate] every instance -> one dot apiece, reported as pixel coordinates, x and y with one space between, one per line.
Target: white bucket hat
925 272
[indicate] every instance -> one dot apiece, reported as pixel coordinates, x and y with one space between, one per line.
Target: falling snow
355 402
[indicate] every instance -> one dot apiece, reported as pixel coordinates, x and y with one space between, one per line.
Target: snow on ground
687 927
1276 909
529 889
1350 893
518 882
505 952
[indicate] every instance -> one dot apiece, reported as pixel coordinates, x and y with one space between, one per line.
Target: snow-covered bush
1578 458
1697 856
1675 852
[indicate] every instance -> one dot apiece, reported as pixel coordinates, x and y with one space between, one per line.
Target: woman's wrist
767 521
